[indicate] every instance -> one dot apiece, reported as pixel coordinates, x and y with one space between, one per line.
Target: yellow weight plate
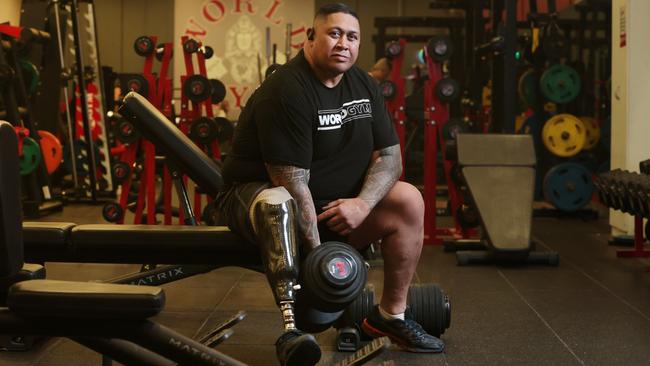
593 132
564 135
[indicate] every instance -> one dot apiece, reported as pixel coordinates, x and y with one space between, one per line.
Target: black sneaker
295 348
408 334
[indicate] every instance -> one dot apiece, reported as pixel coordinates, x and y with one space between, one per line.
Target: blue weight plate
568 186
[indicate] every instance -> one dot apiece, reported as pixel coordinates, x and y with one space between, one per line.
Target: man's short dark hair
328 9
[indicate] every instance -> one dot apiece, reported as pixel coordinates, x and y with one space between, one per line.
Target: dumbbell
467 216
160 52
440 48
447 89
138 84
197 88
331 277
204 130
121 171
393 50
427 305
218 91
143 46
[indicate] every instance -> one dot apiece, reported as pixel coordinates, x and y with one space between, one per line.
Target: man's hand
345 215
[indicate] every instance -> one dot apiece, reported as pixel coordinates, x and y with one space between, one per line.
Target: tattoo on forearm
296 181
382 174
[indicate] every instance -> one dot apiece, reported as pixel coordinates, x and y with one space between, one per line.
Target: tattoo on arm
296 181
384 170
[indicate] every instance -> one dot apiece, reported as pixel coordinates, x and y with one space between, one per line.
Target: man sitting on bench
315 158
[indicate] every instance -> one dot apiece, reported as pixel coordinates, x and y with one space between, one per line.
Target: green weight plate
31 76
560 83
31 156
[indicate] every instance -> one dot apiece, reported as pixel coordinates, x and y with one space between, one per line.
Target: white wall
630 91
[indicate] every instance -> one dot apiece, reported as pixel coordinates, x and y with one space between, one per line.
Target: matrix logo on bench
331 119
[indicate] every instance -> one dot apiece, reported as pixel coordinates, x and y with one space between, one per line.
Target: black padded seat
51 239
161 244
84 300
27 273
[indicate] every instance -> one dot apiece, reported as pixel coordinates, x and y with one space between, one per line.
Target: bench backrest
11 240
171 141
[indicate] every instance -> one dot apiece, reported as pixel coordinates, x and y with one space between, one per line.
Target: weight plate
593 132
190 46
31 156
388 89
208 52
138 84
393 49
568 186
452 128
429 307
447 89
52 151
560 83
112 212
225 129
160 52
126 132
440 48
143 46
197 88
31 76
121 171
203 130
527 87
564 135
218 91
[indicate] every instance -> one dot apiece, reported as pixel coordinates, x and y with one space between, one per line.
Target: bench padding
66 299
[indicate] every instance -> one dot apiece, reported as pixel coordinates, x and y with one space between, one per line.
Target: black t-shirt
293 119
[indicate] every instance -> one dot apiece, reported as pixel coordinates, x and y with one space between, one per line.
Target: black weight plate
190 46
427 306
440 48
218 91
447 89
452 128
467 216
143 46
225 129
126 132
197 88
121 171
393 49
112 212
388 89
203 130
160 52
208 52
138 84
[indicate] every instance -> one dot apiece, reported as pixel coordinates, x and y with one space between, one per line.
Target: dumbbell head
332 276
388 89
218 91
440 48
208 52
190 46
197 88
393 50
143 46
160 52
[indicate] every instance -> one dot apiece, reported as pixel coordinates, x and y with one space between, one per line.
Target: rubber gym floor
594 309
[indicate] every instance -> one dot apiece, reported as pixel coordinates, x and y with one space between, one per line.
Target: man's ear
310 34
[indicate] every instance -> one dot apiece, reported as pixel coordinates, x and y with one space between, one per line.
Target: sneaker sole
374 332
306 354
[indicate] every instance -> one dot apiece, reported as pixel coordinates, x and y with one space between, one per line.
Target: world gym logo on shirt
331 119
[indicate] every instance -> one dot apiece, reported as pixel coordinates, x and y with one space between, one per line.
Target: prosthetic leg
273 217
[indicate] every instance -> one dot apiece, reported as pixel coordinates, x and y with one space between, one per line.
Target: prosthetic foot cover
273 223
295 348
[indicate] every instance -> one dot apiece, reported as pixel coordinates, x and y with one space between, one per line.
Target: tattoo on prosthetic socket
273 216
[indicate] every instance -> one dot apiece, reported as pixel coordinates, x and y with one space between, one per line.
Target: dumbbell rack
436 115
39 199
396 105
638 251
189 115
158 92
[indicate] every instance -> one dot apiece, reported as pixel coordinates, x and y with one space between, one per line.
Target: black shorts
233 205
